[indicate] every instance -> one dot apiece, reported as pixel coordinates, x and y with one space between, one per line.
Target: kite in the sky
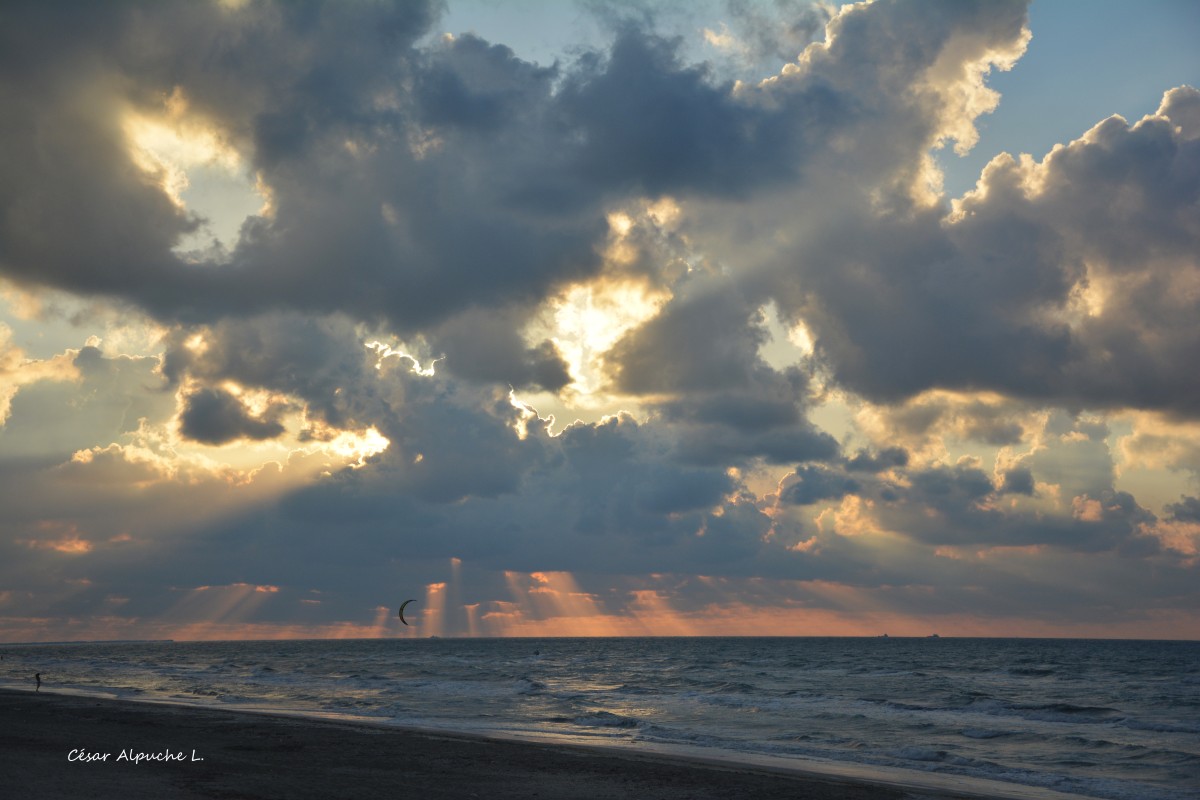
402 605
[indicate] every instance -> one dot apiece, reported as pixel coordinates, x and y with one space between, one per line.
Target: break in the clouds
310 302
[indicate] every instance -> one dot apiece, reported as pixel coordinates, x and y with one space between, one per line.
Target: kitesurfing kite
402 605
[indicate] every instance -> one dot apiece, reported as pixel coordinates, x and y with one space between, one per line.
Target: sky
720 318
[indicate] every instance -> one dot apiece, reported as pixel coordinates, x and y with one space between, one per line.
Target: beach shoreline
73 745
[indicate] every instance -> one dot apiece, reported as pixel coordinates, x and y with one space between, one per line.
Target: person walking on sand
37 676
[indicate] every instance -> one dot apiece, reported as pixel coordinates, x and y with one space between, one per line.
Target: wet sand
46 738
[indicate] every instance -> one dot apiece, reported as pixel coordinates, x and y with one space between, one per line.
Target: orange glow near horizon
745 620
454 606
385 622
217 606
433 616
653 611
736 620
553 604
554 599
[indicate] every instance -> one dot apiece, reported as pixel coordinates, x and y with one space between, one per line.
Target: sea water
1104 719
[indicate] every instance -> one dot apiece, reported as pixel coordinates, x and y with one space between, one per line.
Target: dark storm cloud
948 488
683 490
603 499
379 155
990 426
744 411
953 505
442 192
1186 510
259 67
444 200
885 459
320 360
988 301
650 124
623 487
698 363
811 484
597 497
907 311
372 185
701 342
900 301
961 505
617 508
486 346
445 449
1018 480
448 439
214 416
717 444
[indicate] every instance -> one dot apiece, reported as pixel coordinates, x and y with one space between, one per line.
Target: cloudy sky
724 318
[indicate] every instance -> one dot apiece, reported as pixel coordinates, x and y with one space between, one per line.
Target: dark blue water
1105 719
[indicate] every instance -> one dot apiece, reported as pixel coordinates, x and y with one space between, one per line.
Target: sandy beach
68 746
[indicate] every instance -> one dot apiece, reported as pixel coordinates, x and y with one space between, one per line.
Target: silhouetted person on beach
37 676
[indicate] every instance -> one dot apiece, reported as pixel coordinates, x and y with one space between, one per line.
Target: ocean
1104 719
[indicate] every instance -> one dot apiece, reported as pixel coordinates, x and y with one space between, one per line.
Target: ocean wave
605 719
1033 672
919 754
904 706
1160 727
1046 712
527 685
636 689
734 687
981 733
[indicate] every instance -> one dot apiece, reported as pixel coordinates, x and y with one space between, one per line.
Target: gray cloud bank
444 190
414 183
